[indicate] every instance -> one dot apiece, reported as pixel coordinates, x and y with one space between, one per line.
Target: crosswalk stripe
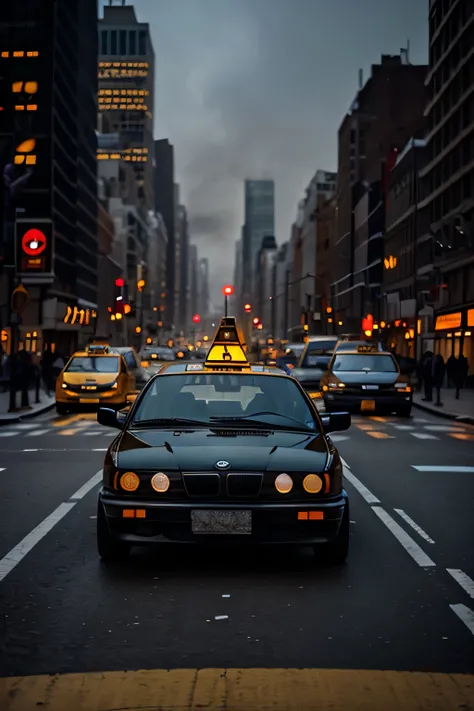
36 433
92 434
423 435
68 432
8 434
376 434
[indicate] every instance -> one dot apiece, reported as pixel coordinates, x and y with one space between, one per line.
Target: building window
123 42
113 42
142 42
132 42
103 40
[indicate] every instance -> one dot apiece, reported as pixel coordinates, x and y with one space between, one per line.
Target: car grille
241 433
244 484
202 484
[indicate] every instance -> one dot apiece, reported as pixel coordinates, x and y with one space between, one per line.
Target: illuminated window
4 55
32 107
32 54
31 160
19 54
31 87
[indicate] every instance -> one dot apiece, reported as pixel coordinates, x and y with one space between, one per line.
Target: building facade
259 199
126 89
165 205
49 50
386 113
448 174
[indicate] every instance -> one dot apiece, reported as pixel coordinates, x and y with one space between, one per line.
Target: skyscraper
165 205
126 89
259 223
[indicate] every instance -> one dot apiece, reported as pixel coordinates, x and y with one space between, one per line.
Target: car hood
362 378
199 450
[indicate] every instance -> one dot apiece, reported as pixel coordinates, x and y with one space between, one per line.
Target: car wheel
61 409
108 548
404 411
336 551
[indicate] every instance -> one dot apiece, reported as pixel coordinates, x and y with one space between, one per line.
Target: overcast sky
257 89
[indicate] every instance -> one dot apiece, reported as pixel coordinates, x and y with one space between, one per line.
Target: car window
93 364
316 352
355 361
204 395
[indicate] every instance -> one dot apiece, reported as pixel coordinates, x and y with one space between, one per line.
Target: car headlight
312 483
129 481
336 385
160 482
115 386
64 386
283 483
403 387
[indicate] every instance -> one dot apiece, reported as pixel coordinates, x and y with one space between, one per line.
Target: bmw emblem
222 464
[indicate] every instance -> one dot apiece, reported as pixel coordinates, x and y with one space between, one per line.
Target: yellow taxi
93 377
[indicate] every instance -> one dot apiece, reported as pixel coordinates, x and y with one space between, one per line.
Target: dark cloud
257 89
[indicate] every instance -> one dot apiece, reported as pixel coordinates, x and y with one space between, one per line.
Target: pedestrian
47 371
451 366
460 373
426 366
438 372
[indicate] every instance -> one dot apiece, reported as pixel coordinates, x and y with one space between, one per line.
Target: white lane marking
25 426
465 614
109 434
36 433
9 434
448 468
2 469
404 427
98 450
16 554
361 488
80 493
91 434
464 580
31 450
13 557
411 546
445 428
221 617
423 435
345 463
414 525
339 438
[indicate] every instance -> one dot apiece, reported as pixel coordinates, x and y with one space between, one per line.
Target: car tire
61 409
403 411
336 551
109 548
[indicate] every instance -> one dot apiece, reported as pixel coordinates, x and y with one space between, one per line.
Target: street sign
34 250
20 299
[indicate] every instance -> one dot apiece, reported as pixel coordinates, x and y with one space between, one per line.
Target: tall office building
259 223
126 89
49 68
165 205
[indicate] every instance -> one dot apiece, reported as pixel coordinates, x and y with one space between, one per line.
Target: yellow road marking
462 436
239 690
378 419
71 419
380 435
365 427
71 431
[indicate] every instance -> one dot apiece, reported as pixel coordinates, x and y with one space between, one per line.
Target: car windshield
93 364
275 401
356 361
316 352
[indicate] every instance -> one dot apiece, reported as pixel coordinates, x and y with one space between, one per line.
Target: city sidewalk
462 409
47 403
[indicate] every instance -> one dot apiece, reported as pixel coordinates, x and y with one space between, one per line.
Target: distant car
152 355
313 362
292 354
134 365
366 380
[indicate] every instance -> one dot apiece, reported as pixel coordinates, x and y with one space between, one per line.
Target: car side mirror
110 418
335 421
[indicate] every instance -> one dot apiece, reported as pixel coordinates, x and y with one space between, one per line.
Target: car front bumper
271 523
353 402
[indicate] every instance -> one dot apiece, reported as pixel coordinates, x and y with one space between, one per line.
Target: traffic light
196 318
256 321
248 308
141 284
228 290
34 254
120 282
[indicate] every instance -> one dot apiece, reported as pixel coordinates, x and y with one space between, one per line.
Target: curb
26 415
446 415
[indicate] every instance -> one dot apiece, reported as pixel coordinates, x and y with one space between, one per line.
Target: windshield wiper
244 419
167 421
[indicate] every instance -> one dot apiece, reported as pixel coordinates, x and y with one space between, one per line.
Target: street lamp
248 308
227 290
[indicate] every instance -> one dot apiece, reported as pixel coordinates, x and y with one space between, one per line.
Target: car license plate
89 400
367 405
221 522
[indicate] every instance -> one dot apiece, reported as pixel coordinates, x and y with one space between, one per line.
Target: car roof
196 367
364 353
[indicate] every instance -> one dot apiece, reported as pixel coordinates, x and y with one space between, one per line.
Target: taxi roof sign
97 348
368 348
227 349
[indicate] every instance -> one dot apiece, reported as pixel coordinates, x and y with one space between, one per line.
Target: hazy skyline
257 89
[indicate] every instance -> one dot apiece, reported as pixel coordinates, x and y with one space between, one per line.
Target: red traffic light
227 290
248 308
256 321
196 318
120 282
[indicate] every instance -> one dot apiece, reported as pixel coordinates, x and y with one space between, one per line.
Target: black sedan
223 456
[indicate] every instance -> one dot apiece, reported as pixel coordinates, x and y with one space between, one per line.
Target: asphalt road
403 603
